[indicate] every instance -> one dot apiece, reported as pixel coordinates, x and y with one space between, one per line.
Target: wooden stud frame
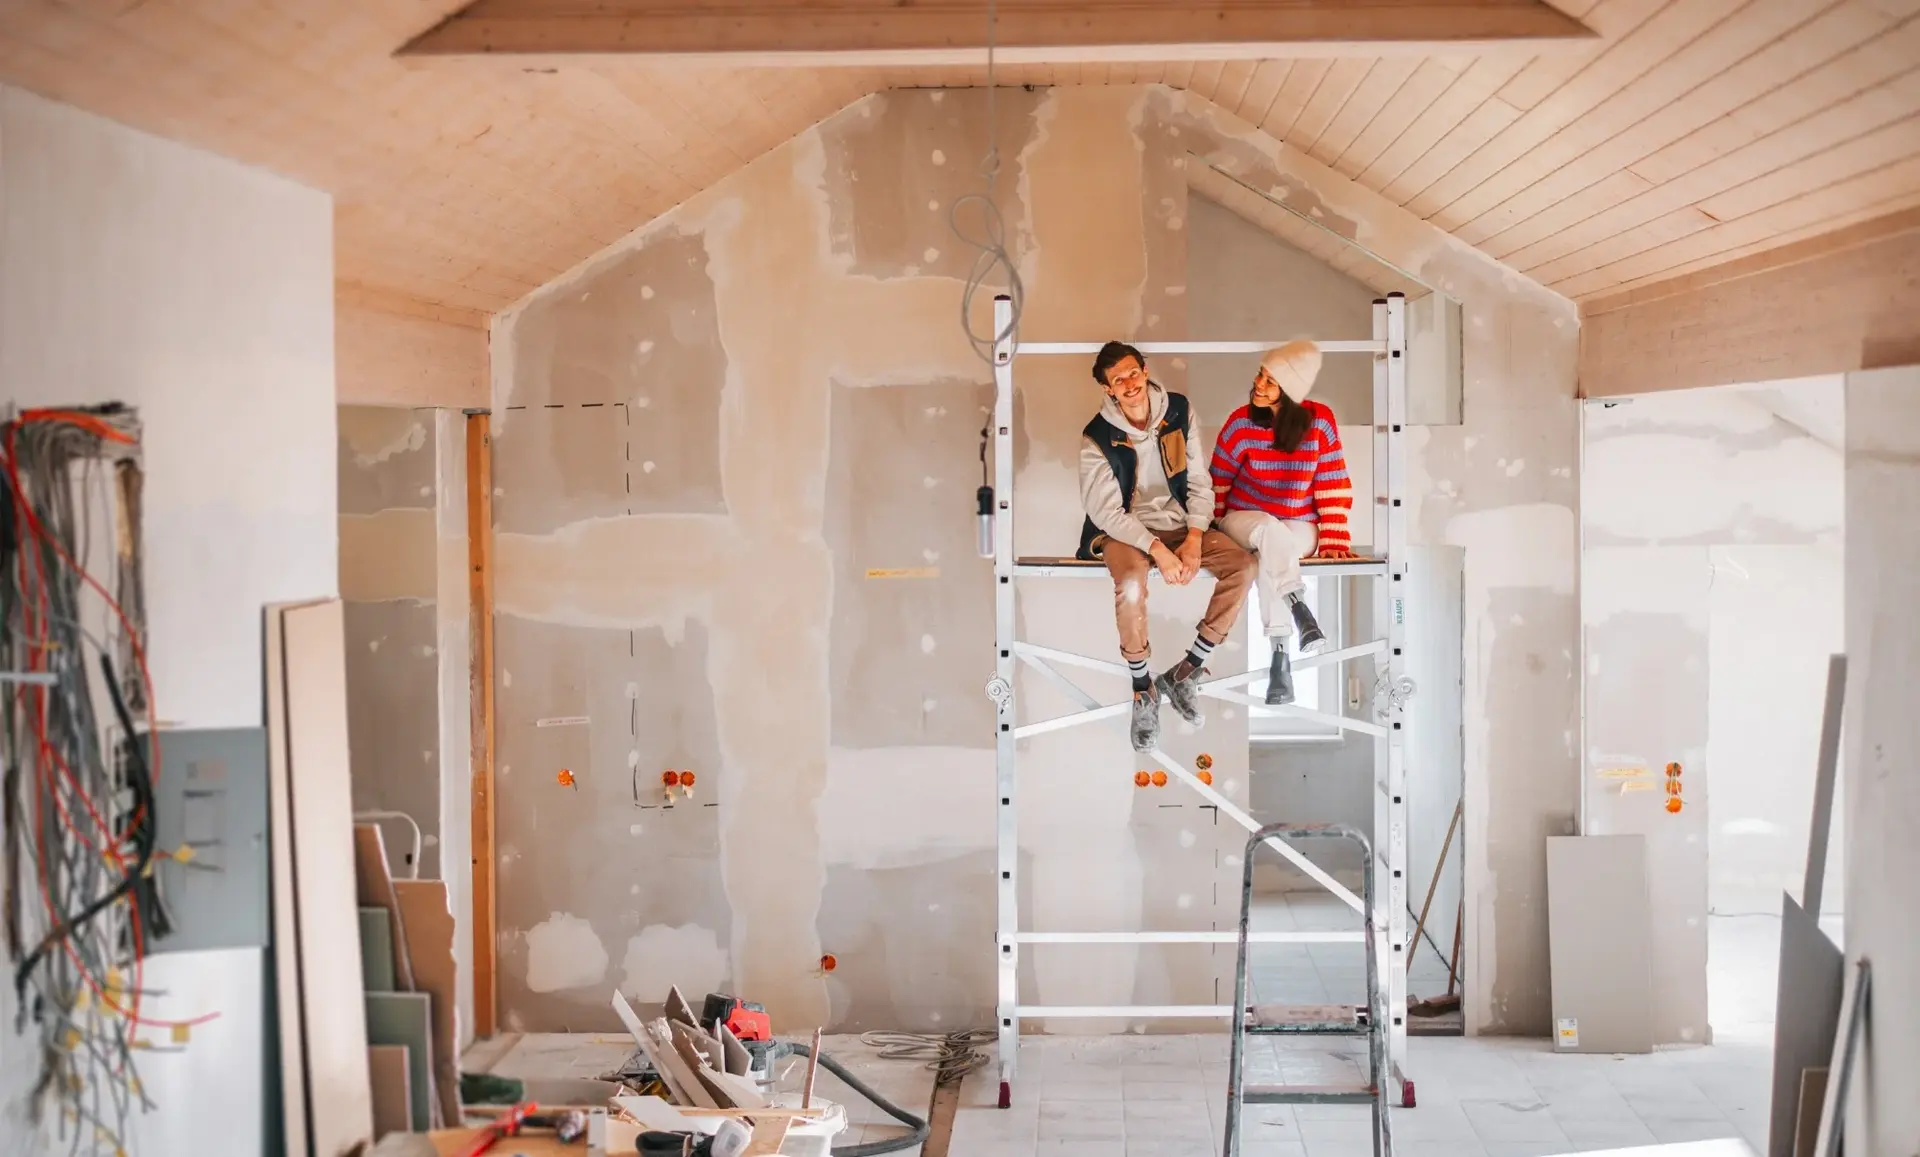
480 579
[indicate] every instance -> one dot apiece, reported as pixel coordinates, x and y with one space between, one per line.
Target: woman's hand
1334 552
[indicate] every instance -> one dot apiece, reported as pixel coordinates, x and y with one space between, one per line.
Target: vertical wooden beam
480 576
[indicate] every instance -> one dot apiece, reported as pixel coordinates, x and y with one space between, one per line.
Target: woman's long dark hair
1290 421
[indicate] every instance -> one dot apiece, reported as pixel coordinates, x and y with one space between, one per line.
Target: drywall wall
201 292
1882 743
1711 599
1812 309
404 581
719 442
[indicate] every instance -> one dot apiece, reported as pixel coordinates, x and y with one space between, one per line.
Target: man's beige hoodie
1153 505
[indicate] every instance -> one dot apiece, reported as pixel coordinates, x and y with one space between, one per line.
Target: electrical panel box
210 816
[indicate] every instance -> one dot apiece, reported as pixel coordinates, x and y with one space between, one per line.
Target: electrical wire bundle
78 782
990 245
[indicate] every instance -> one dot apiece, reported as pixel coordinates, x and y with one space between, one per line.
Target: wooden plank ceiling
1691 133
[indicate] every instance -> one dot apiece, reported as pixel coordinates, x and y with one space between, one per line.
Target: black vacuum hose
916 1126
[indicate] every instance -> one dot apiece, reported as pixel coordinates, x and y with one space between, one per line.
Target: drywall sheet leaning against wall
735 463
317 937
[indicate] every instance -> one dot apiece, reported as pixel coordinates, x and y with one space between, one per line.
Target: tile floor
1133 1095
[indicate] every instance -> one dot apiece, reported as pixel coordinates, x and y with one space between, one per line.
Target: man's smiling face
1127 384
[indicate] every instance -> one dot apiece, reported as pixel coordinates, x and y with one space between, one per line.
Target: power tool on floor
749 1024
746 1020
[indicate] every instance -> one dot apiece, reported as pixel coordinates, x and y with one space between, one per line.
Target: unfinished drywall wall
735 458
1882 741
1711 598
136 270
405 589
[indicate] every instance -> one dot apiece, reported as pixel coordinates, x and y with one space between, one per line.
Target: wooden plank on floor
940 1114
480 575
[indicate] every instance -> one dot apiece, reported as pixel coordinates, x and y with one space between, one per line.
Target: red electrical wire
36 630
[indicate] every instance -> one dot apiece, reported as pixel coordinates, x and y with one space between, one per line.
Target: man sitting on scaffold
1149 502
1281 490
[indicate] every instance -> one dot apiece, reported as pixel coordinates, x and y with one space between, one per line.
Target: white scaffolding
1388 347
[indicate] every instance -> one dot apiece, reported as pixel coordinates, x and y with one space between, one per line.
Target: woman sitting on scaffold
1282 491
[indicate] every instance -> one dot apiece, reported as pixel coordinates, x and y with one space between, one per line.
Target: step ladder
1250 1019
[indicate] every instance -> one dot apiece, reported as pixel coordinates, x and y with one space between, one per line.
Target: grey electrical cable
57 766
991 246
951 1055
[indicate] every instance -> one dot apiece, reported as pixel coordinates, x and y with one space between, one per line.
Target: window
1314 688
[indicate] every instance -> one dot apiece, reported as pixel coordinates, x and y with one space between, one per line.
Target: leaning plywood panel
329 918
1599 923
289 1046
428 921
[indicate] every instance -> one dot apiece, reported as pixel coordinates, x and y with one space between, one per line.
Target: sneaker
1279 677
1310 634
1181 686
1145 731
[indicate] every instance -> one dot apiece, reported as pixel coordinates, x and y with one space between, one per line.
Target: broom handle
1434 883
1459 926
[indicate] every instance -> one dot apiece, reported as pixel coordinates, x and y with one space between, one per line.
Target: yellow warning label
1621 772
909 572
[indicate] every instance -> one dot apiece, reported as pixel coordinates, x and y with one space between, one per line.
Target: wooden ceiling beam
944 32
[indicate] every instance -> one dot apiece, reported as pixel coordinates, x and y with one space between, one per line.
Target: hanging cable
992 261
78 784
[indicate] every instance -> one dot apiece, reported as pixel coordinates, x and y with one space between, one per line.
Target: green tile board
376 950
406 1018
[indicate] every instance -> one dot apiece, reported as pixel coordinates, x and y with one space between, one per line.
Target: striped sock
1141 680
1197 654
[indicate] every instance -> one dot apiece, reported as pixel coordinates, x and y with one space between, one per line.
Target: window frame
1327 597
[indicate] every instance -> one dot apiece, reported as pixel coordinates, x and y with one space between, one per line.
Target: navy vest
1171 435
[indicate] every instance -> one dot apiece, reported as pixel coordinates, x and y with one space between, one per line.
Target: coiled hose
917 1127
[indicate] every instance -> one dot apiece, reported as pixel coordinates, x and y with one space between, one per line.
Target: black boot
1310 634
1279 676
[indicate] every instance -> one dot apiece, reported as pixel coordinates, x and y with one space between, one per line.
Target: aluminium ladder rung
1307 1020
1309 1095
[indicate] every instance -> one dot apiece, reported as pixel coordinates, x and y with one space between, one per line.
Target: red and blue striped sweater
1308 485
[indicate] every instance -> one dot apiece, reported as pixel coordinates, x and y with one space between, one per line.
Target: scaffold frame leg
1386 915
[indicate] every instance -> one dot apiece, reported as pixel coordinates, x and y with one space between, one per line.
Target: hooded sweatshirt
1153 508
